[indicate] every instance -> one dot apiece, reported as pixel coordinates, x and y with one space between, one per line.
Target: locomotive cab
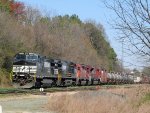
25 66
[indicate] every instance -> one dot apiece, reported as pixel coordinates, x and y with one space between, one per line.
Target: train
34 70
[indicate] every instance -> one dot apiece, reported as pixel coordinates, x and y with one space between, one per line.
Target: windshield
32 57
20 57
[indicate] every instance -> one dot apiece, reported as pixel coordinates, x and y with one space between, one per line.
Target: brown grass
4 79
121 100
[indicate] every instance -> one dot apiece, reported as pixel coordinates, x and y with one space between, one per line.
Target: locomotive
25 68
34 70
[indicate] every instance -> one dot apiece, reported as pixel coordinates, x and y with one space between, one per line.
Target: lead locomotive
26 66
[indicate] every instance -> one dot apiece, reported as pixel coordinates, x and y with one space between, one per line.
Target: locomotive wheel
28 85
79 83
73 83
99 82
92 81
37 84
87 82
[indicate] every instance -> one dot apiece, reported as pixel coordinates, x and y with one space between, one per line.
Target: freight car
31 69
143 79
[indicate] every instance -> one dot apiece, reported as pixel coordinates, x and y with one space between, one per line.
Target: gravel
32 104
37 103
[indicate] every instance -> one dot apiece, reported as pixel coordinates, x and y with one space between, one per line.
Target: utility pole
122 54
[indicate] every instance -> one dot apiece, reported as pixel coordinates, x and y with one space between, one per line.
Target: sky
86 10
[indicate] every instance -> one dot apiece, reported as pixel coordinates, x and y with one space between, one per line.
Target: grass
4 79
146 98
115 100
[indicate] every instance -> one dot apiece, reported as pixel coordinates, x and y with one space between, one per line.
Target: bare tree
146 71
32 15
133 23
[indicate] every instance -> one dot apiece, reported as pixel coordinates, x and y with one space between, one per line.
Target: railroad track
60 89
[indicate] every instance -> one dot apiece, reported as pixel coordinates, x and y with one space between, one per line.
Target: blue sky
85 9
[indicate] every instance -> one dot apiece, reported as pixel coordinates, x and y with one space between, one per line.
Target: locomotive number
55 71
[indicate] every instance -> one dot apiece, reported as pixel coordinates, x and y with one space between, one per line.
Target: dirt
28 103
24 104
